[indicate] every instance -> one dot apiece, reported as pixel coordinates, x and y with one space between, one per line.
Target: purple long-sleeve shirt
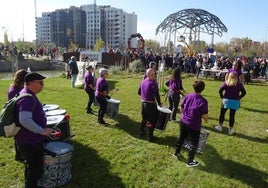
232 92
33 105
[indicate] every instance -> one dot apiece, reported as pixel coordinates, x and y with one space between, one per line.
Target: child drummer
194 108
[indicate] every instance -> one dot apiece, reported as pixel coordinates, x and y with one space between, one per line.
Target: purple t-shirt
12 92
89 79
231 92
194 106
149 90
101 85
175 85
237 72
31 104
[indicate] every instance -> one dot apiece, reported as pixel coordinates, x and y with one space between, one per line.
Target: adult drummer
149 93
31 119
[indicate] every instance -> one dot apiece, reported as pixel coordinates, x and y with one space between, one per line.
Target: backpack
8 127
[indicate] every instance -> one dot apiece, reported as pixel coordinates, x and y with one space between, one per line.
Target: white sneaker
218 127
231 131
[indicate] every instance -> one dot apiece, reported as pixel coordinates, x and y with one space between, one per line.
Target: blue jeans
73 80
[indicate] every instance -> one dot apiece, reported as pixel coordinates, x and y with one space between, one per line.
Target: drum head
113 101
48 107
56 112
53 120
164 110
58 148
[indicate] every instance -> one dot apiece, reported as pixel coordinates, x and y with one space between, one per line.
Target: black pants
91 97
174 100
231 116
149 117
103 107
186 131
33 155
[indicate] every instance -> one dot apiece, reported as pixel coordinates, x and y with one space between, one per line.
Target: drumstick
114 91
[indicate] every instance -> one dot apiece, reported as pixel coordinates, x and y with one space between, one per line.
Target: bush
136 66
115 69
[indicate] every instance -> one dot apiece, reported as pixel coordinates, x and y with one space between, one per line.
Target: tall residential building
112 25
85 25
68 26
93 24
43 34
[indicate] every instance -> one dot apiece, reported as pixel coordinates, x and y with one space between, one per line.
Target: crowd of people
254 67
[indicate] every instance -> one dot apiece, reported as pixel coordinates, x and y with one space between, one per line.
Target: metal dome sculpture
194 20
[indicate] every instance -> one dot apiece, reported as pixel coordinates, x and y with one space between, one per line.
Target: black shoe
141 134
153 139
176 154
101 122
90 112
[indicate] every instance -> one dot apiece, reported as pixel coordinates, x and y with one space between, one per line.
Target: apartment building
83 26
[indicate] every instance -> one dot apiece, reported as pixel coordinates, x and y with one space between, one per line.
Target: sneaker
231 131
218 127
193 163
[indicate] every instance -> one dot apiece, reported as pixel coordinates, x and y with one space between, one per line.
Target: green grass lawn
114 156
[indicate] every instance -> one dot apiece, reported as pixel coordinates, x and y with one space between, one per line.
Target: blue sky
242 18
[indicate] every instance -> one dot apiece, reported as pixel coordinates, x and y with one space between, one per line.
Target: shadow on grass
230 169
133 127
89 170
250 138
128 125
256 110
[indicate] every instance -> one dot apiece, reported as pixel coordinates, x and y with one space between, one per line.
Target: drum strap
148 101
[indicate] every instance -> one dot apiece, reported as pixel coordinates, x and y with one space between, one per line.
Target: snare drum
163 117
57 164
112 108
48 107
55 112
60 122
202 141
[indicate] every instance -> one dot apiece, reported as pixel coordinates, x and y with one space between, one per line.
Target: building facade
43 29
85 25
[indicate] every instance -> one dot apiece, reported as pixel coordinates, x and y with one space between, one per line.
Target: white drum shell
163 118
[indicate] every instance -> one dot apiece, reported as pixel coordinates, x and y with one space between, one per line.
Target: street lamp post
13 63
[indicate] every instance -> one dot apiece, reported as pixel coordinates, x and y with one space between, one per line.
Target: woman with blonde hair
231 91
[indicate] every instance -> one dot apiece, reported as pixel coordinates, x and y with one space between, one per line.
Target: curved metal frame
196 20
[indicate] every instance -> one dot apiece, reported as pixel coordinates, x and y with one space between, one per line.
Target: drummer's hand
47 131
